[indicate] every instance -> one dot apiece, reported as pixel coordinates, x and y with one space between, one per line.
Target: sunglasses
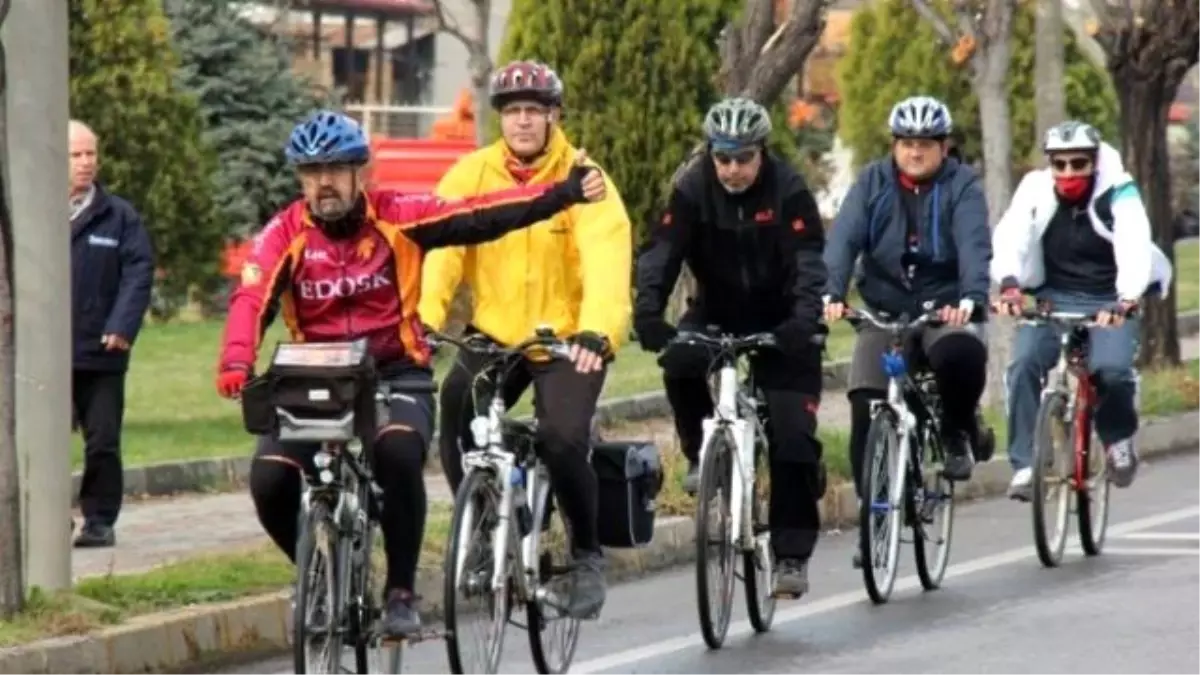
1076 164
743 158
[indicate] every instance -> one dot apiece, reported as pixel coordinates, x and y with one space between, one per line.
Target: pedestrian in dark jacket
112 270
919 221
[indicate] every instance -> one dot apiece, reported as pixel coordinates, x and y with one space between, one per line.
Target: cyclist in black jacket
749 230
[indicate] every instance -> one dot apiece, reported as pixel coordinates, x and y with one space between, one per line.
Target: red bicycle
1066 459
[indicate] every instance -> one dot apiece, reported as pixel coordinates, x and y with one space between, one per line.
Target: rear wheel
1053 466
1091 494
317 609
933 518
758 566
553 635
714 548
880 520
476 615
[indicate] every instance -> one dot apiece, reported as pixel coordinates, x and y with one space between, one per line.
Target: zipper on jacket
741 253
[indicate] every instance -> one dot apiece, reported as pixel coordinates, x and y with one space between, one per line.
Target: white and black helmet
737 122
920 117
1071 136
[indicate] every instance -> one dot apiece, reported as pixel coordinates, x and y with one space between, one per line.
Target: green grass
1187 276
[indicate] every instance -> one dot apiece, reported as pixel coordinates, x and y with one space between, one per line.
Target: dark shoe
95 535
791 578
691 482
588 588
400 616
856 560
959 460
1122 462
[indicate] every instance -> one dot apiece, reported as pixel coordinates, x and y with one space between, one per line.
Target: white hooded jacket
1017 239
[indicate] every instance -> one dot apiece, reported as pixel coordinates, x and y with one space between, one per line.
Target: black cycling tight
399 458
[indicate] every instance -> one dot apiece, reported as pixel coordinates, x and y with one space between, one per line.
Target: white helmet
1070 136
920 117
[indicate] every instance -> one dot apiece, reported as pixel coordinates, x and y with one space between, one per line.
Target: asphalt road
1134 609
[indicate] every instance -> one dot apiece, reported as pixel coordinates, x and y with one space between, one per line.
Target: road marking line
621 660
1166 536
1150 550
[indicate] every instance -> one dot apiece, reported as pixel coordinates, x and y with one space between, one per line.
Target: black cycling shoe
791 578
400 616
959 458
691 482
856 560
588 587
96 535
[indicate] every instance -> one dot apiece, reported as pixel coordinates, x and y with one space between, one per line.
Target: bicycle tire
372 654
883 430
310 557
758 566
1046 459
1093 527
475 483
543 661
715 473
931 576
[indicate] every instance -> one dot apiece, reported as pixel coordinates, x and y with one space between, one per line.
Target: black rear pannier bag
630 475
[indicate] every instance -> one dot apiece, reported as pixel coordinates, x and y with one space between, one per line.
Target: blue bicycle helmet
327 138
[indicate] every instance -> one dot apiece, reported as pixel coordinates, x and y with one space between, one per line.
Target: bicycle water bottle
524 517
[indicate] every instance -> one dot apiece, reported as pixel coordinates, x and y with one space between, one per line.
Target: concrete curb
248 628
224 474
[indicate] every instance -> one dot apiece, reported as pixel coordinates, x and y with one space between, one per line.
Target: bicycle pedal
420 636
780 595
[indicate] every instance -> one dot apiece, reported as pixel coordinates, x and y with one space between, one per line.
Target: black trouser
792 388
399 459
958 361
99 401
564 404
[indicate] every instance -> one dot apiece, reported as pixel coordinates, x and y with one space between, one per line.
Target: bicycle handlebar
725 343
485 346
857 317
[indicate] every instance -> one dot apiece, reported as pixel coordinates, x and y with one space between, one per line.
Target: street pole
36 105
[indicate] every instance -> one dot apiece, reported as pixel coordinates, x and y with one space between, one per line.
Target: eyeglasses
743 158
1076 164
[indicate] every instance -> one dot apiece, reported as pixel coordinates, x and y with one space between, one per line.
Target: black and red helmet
525 80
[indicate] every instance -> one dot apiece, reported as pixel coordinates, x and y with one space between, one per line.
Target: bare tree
761 54
979 34
479 63
1049 67
1150 46
12 582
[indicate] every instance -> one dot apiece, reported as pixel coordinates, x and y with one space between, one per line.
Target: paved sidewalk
159 531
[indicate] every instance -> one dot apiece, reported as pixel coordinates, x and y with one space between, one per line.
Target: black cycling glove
653 333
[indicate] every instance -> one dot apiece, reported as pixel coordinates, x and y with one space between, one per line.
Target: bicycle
1064 456
734 442
506 481
335 602
903 437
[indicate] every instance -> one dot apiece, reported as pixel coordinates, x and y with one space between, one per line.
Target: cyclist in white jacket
1076 235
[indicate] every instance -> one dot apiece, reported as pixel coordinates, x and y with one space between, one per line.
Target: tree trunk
990 73
12 582
1144 102
1048 72
481 68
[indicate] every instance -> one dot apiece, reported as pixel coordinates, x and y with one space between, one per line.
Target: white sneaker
1021 487
1122 462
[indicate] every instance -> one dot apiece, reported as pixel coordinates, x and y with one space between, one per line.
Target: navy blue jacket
112 271
954 247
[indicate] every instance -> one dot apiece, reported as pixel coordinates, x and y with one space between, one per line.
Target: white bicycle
735 441
496 555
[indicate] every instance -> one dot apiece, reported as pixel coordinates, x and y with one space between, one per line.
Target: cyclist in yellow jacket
571 272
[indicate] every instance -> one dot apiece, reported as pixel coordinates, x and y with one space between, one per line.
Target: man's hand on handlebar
231 380
1115 316
957 317
587 352
835 309
1010 303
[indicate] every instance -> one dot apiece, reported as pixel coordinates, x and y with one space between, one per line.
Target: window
350 71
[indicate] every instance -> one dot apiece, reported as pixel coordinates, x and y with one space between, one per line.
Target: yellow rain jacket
571 272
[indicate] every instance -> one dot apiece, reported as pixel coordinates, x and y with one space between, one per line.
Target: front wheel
1092 489
476 614
880 520
714 544
317 609
1052 471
